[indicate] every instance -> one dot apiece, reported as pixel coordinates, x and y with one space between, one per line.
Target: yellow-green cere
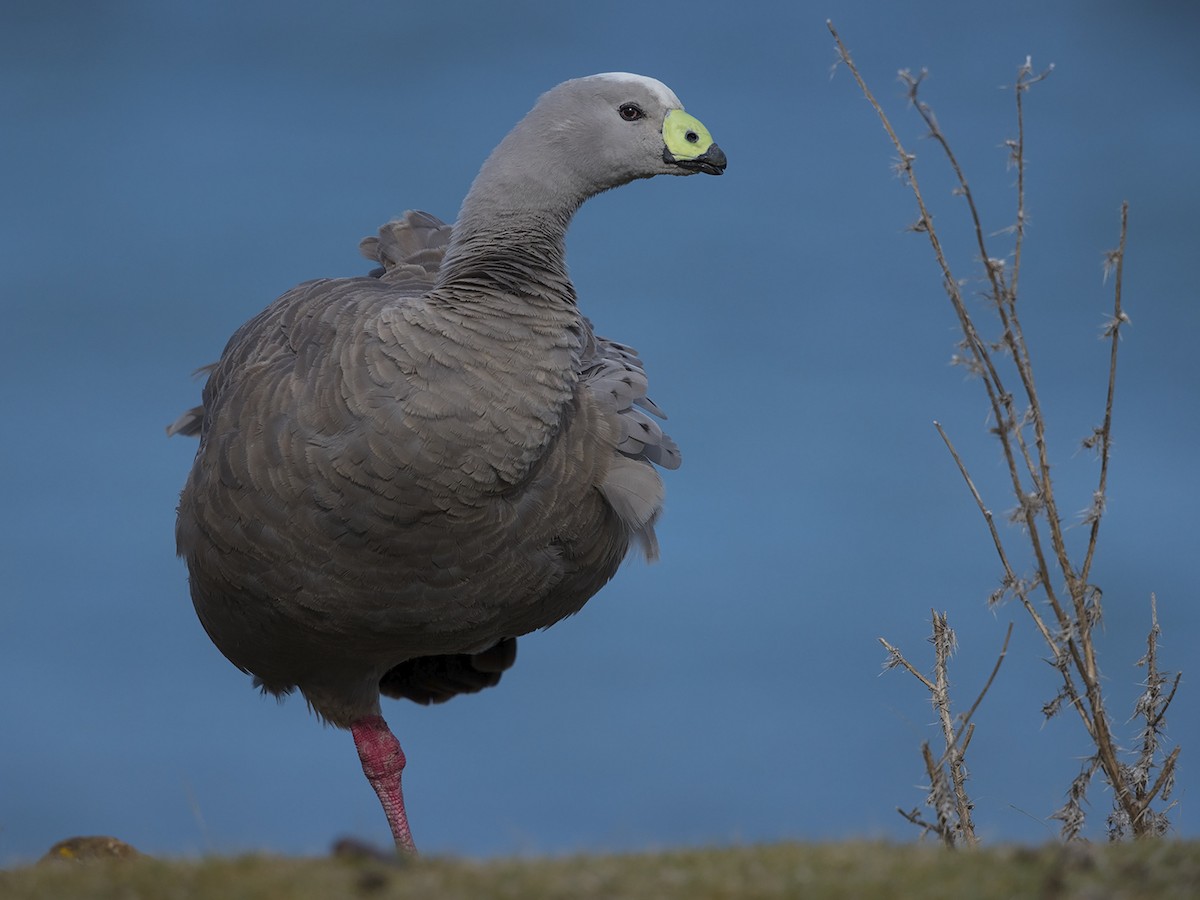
685 136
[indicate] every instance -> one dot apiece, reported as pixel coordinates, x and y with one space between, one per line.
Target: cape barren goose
399 474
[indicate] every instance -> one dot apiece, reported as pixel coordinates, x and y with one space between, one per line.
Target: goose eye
631 112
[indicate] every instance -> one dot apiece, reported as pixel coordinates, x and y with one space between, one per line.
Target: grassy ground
849 870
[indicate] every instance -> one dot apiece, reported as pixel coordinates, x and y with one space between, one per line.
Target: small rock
80 849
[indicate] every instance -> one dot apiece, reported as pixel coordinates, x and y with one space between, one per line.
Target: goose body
400 474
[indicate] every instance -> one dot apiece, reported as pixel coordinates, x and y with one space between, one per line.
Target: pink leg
383 762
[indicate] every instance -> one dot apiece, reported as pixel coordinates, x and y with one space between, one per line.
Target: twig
1010 577
1012 582
987 686
1025 79
896 658
1152 708
940 798
947 775
1115 259
981 361
1071 643
943 646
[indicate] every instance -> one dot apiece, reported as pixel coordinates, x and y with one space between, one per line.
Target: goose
400 474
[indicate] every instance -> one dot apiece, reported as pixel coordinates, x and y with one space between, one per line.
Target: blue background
167 169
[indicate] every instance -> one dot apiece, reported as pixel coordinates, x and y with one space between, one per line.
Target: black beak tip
711 162
714 156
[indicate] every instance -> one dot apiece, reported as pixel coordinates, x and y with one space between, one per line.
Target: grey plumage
399 474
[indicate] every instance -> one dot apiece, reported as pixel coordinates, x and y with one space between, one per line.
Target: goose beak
710 162
688 145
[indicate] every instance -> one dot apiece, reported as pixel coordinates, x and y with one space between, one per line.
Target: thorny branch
1069 633
947 775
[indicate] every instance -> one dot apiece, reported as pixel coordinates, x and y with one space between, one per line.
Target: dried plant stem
943 642
988 684
1104 433
948 774
1069 632
896 658
1010 577
1151 708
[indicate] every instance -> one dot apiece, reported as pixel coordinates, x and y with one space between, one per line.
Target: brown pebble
79 849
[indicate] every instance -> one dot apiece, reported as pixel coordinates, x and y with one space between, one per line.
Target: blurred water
167 169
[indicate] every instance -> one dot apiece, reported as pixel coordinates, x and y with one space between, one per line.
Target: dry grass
852 870
1057 593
